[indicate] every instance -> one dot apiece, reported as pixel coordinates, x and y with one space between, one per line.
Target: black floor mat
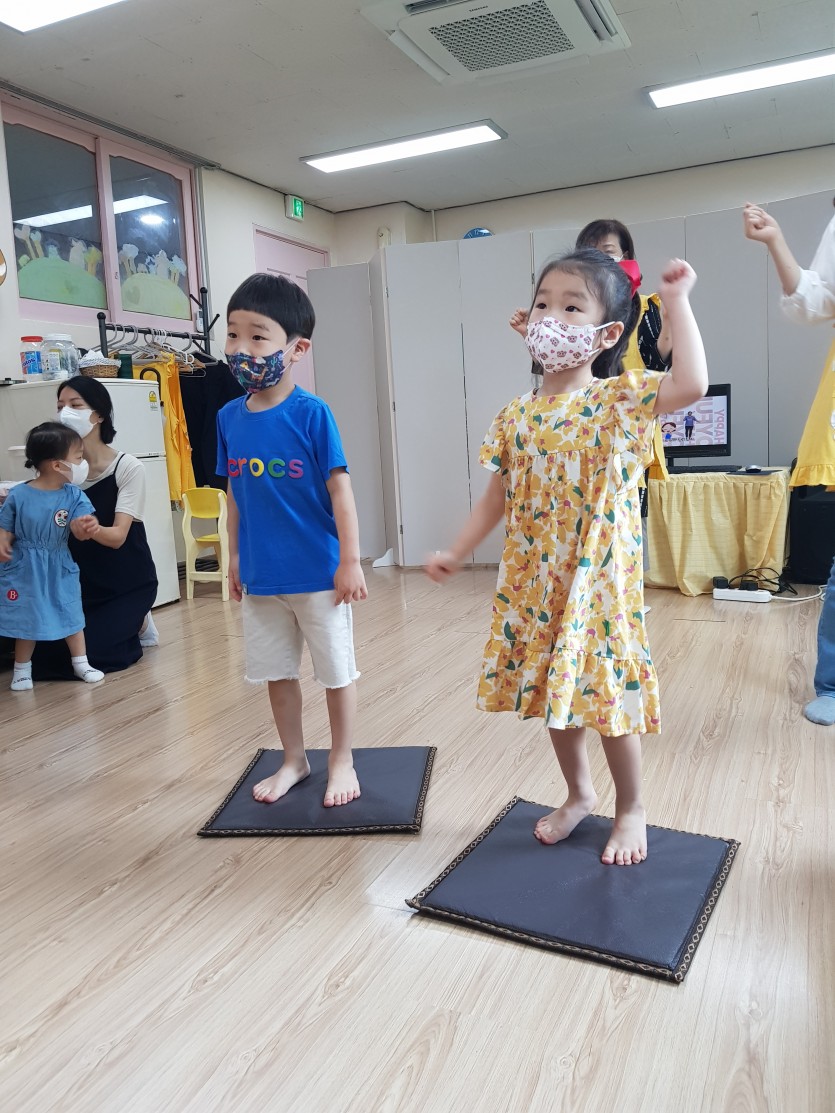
648 918
393 784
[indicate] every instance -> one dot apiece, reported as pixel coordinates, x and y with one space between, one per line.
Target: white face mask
78 472
77 420
559 347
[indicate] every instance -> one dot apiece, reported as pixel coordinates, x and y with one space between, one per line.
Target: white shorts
277 626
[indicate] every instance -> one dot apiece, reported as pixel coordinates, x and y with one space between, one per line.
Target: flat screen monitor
700 429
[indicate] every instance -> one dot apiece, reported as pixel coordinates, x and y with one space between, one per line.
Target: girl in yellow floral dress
567 642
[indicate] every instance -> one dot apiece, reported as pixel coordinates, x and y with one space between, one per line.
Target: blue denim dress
40 595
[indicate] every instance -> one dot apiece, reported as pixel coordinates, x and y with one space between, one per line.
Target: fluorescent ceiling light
152 219
62 217
28 15
84 212
743 81
141 202
484 131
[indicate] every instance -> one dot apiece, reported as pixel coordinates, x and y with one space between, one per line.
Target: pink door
274 255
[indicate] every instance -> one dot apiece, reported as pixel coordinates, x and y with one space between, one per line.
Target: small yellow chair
203 503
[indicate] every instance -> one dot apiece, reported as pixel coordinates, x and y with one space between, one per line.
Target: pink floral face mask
559 347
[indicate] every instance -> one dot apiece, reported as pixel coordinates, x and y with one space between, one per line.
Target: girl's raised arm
687 380
761 227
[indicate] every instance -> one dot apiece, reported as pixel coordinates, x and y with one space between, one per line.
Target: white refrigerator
137 416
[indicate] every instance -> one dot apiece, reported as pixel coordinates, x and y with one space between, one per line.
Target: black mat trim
422 902
380 816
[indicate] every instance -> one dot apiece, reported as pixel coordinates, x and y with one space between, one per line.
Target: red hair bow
633 273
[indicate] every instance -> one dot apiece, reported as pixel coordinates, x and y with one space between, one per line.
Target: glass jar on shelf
60 356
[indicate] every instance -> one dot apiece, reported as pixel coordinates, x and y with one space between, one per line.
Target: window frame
103 145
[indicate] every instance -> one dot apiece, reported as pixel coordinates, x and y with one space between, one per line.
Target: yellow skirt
816 452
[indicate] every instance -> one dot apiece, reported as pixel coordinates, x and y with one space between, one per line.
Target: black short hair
49 441
276 297
598 230
97 397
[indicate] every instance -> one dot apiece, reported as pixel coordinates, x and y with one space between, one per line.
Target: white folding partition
427 381
729 302
343 348
548 242
796 353
656 242
495 279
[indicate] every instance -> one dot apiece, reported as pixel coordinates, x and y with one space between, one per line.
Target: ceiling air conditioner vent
520 34
461 40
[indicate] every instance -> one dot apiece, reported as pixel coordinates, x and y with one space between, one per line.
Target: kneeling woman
118 577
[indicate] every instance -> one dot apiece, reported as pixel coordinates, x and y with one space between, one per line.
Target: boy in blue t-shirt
293 532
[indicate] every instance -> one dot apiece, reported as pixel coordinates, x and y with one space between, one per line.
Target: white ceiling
255 84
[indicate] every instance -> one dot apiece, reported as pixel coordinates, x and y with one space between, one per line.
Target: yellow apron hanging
816 451
657 466
174 430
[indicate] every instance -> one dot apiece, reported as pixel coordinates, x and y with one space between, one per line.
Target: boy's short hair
276 297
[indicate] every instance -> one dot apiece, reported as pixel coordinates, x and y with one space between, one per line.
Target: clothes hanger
204 357
148 348
185 360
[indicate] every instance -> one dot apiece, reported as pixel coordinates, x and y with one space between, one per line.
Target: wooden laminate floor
145 969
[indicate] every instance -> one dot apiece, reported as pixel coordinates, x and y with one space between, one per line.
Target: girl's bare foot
559 824
343 786
279 784
627 843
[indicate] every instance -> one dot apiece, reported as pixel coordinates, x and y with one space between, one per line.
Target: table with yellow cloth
706 524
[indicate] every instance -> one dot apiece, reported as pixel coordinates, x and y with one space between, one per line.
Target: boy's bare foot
559 824
343 786
279 784
627 843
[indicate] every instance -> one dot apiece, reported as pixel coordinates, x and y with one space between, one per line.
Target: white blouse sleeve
130 480
814 299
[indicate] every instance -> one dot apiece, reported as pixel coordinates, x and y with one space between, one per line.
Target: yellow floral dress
567 642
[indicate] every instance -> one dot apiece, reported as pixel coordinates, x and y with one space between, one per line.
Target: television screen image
700 429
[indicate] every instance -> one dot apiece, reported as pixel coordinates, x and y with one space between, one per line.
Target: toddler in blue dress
40 593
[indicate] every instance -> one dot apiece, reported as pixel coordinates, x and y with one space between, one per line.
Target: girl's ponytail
610 361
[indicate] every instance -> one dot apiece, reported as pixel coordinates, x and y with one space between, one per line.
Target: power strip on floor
737 595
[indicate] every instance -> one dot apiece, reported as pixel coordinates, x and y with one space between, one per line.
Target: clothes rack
202 338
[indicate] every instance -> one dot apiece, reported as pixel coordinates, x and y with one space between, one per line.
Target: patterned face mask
256 373
559 347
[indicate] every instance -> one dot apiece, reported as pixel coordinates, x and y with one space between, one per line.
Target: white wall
356 231
653 197
232 207
345 378
699 189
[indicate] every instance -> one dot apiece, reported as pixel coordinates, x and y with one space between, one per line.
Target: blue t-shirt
278 462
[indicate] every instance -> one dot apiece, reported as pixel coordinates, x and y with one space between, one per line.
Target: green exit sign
294 208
